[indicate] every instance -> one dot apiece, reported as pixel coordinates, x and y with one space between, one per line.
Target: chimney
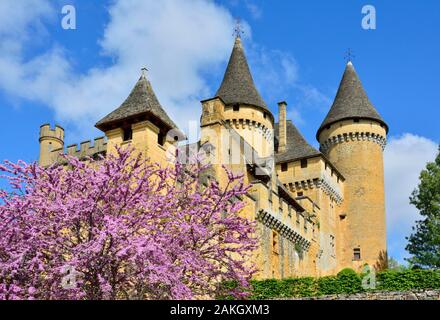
282 133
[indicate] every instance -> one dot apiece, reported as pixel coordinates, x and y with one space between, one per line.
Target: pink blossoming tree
121 228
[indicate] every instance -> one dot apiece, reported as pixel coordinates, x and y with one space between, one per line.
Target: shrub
410 279
329 285
347 281
346 271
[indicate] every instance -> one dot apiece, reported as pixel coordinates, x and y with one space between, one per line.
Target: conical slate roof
141 101
238 85
297 147
351 101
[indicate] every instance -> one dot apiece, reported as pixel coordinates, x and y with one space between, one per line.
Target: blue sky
296 51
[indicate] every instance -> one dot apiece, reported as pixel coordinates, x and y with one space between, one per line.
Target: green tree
424 242
394 265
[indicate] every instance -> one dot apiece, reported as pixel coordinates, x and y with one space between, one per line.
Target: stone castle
318 211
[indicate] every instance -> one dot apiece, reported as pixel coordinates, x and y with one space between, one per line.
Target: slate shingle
142 100
351 102
238 85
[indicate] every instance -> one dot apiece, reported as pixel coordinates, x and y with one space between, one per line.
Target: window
328 127
161 138
297 221
357 254
236 107
356 120
265 115
290 211
128 134
300 194
304 163
284 167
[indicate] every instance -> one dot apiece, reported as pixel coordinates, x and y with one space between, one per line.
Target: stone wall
382 295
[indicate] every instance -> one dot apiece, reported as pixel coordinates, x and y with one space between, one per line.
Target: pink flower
128 229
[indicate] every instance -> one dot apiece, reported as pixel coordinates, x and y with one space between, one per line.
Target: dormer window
161 139
128 134
304 163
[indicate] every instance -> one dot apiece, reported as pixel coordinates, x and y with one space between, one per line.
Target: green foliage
346 271
346 282
424 243
349 281
410 279
394 265
291 287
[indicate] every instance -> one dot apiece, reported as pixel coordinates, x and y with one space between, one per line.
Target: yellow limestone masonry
317 211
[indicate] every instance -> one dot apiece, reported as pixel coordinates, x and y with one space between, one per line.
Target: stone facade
317 211
381 295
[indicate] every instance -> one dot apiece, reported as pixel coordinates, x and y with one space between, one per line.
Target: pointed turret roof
297 147
238 85
351 101
141 101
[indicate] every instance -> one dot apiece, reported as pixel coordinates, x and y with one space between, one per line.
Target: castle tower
243 108
141 121
50 140
353 136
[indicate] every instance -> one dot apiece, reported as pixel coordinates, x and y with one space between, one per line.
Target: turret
243 107
142 121
353 137
50 140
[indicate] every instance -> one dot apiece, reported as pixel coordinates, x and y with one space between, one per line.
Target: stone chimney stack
282 134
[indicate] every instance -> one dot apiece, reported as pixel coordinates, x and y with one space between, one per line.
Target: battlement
86 150
46 132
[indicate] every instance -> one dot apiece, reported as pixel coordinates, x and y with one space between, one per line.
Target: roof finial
144 71
349 56
238 30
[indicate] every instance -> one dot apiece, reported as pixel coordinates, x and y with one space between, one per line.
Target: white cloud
405 157
177 41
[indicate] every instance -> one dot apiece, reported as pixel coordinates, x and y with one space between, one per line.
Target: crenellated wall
86 149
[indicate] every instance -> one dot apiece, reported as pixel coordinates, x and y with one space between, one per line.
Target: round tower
353 137
245 109
50 140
